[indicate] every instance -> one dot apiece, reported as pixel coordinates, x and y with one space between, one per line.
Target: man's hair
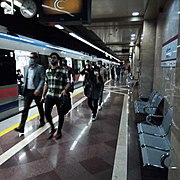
35 54
100 61
64 61
55 54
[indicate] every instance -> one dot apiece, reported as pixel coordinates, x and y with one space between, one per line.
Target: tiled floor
86 150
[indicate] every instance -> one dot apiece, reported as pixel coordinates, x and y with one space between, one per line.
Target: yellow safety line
2 133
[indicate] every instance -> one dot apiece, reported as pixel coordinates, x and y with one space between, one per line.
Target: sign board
67 12
169 52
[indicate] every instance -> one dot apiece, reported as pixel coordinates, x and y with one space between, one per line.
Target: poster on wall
169 52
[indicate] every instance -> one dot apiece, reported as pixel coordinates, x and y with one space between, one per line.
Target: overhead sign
65 11
62 6
169 52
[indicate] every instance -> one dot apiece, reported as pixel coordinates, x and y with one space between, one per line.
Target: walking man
57 83
34 75
104 74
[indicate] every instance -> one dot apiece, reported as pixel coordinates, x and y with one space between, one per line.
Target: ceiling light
135 13
133 35
59 26
86 42
90 44
16 3
131 43
178 12
132 38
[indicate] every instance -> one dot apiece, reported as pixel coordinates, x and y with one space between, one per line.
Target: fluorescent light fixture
90 44
133 35
86 42
16 3
5 5
131 43
59 26
135 13
132 38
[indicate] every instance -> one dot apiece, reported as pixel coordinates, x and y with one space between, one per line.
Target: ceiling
112 24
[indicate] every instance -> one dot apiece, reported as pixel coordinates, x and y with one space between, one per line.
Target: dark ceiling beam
118 51
119 19
122 26
117 44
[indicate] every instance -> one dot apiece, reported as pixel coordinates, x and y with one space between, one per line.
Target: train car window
43 60
75 64
7 67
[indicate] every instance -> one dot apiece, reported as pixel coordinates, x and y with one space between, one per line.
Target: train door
8 84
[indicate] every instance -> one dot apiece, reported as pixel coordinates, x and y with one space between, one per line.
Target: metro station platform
87 150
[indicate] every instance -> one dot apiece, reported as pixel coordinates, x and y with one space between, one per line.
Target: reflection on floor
85 151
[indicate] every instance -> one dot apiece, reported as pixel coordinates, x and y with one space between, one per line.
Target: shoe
99 107
94 117
58 135
41 124
19 130
51 133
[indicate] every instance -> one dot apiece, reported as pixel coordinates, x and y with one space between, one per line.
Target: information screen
68 12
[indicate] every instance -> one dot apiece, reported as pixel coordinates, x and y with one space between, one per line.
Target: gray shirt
30 83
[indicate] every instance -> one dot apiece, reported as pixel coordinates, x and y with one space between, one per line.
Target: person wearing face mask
85 71
104 75
34 76
56 86
92 90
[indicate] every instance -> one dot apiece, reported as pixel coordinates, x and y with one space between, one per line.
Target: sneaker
58 136
51 133
94 119
41 124
99 107
19 130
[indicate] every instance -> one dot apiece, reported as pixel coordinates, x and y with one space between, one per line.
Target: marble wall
147 58
167 80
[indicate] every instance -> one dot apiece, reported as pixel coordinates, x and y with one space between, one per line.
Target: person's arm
106 74
45 89
41 83
67 81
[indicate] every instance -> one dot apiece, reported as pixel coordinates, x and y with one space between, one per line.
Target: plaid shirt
56 80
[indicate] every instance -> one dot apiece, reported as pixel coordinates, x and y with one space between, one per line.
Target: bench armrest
163 159
153 119
148 109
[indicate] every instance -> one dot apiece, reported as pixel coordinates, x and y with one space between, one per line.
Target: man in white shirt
34 76
104 74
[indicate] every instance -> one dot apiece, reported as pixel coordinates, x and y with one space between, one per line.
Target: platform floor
87 150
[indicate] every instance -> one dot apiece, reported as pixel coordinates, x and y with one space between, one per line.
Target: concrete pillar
136 63
174 171
147 58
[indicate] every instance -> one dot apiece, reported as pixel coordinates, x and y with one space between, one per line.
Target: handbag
65 103
71 88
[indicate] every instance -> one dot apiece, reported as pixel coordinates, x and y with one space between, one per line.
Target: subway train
14 52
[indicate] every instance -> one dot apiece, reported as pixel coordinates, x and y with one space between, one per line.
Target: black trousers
49 103
101 95
93 105
28 98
